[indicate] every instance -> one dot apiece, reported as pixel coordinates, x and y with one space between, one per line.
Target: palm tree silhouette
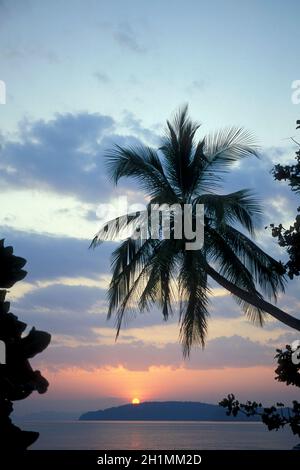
163 271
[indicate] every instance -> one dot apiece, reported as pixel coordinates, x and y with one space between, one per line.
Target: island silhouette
162 411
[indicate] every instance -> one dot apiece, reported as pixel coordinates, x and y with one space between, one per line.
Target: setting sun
135 401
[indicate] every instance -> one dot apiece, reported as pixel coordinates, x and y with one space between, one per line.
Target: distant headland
162 411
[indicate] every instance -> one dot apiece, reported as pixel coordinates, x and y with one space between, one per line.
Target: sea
168 435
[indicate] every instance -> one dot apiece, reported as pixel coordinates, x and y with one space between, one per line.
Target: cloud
255 173
284 339
65 155
126 38
72 311
62 298
65 291
196 86
278 202
17 52
222 352
102 77
51 257
135 125
76 314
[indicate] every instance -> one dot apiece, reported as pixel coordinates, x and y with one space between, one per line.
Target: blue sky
233 61
82 75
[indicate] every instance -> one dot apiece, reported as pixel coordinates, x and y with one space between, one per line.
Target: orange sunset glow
164 383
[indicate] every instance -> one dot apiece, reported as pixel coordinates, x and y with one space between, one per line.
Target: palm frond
177 149
266 271
254 314
233 269
194 302
241 206
229 265
222 149
128 261
115 227
159 285
226 146
142 164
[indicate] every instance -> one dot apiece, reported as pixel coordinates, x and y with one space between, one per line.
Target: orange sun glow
135 401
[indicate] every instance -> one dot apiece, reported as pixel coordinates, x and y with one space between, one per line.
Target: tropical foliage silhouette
17 378
275 416
289 238
163 271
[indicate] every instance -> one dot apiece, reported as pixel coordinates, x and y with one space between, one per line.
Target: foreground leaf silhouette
147 271
275 416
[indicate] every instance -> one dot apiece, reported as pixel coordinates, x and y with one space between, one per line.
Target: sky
81 76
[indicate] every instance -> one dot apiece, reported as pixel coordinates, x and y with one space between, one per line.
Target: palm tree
162 271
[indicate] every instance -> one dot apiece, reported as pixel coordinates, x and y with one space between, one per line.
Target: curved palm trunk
262 304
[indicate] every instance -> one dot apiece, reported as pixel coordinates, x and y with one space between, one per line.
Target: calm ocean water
108 435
